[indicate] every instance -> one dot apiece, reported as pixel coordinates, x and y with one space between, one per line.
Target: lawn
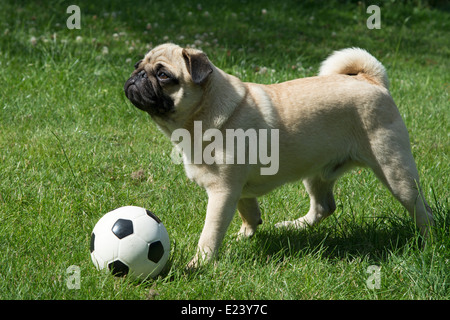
73 148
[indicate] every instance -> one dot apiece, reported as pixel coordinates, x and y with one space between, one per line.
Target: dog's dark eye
163 76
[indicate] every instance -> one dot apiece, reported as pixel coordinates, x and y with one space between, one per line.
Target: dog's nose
135 78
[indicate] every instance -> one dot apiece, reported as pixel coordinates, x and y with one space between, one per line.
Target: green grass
71 145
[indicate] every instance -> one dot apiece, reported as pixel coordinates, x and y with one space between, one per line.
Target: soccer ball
130 241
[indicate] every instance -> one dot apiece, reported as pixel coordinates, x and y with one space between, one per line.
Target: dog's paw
202 257
294 225
245 232
193 264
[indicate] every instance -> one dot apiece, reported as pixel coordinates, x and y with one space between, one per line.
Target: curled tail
355 61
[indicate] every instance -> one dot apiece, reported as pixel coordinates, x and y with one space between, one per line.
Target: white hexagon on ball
130 241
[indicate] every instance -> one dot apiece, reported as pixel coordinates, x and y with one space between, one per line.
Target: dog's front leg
220 212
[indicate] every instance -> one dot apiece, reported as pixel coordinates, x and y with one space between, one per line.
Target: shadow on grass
345 235
374 239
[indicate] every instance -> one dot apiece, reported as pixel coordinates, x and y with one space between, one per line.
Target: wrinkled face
168 81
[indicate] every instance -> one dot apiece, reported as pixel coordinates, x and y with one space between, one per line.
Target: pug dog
323 126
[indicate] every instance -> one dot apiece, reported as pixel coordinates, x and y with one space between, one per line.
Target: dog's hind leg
251 216
322 203
394 165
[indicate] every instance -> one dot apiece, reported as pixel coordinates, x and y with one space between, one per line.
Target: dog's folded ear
198 65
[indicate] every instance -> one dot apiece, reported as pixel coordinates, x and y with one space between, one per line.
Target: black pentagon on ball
122 228
118 268
152 215
155 251
91 247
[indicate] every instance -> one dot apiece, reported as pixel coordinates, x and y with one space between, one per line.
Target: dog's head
169 80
